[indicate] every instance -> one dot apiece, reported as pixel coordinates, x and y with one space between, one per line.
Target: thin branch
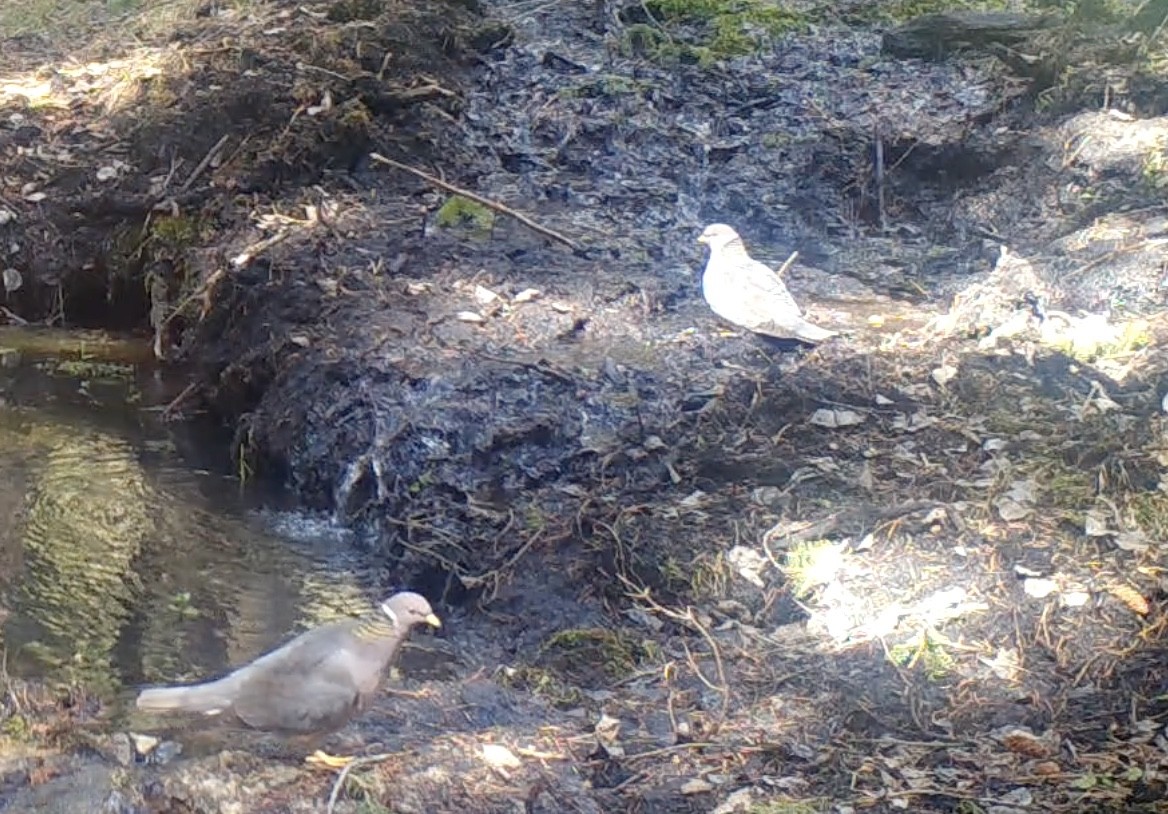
689 618
344 775
207 159
479 199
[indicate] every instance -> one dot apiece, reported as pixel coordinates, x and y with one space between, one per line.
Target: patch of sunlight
77 24
812 564
112 82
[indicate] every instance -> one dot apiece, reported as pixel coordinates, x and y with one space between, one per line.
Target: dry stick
783 268
19 320
479 199
344 775
496 574
171 408
689 618
207 159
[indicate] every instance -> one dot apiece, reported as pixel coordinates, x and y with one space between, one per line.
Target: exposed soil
918 566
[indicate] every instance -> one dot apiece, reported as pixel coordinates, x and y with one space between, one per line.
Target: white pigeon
748 293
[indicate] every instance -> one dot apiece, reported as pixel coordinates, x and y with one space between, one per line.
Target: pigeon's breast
722 295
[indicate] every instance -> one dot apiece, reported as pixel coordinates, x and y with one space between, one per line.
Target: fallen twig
19 320
335 794
207 159
690 619
786 265
170 409
479 199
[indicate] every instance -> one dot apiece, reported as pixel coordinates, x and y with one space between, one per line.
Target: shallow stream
128 554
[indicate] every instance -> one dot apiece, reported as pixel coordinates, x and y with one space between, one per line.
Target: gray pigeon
311 686
749 294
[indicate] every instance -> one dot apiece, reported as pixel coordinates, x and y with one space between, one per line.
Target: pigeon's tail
812 333
797 329
209 699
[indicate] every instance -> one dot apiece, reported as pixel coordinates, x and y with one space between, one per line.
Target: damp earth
307 302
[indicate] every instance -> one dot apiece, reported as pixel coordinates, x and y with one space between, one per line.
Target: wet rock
75 784
121 749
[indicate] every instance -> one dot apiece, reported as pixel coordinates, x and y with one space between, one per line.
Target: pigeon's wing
303 652
305 686
763 289
318 700
749 294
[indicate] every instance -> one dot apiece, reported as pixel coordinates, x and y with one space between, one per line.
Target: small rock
736 802
121 749
117 803
833 418
526 295
12 280
144 744
944 374
696 786
164 753
500 757
608 728
484 295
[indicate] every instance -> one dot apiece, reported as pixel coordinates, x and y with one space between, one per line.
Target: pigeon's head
718 236
408 609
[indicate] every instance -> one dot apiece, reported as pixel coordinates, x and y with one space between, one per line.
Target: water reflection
120 563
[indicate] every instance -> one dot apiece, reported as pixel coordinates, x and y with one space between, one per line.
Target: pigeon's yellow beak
703 239
433 621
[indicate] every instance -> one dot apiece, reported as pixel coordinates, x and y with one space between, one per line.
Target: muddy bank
682 571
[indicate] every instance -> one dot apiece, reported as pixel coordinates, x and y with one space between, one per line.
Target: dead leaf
944 374
696 786
1021 742
834 418
1132 598
484 295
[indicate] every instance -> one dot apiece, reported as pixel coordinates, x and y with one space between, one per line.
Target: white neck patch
389 612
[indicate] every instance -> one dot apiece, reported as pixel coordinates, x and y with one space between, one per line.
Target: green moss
790 807
650 42
15 727
775 141
726 28
606 86
1149 511
585 654
90 369
811 564
460 211
709 576
543 683
926 653
1091 342
352 11
1154 170
1095 12
704 577
899 11
182 606
174 232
